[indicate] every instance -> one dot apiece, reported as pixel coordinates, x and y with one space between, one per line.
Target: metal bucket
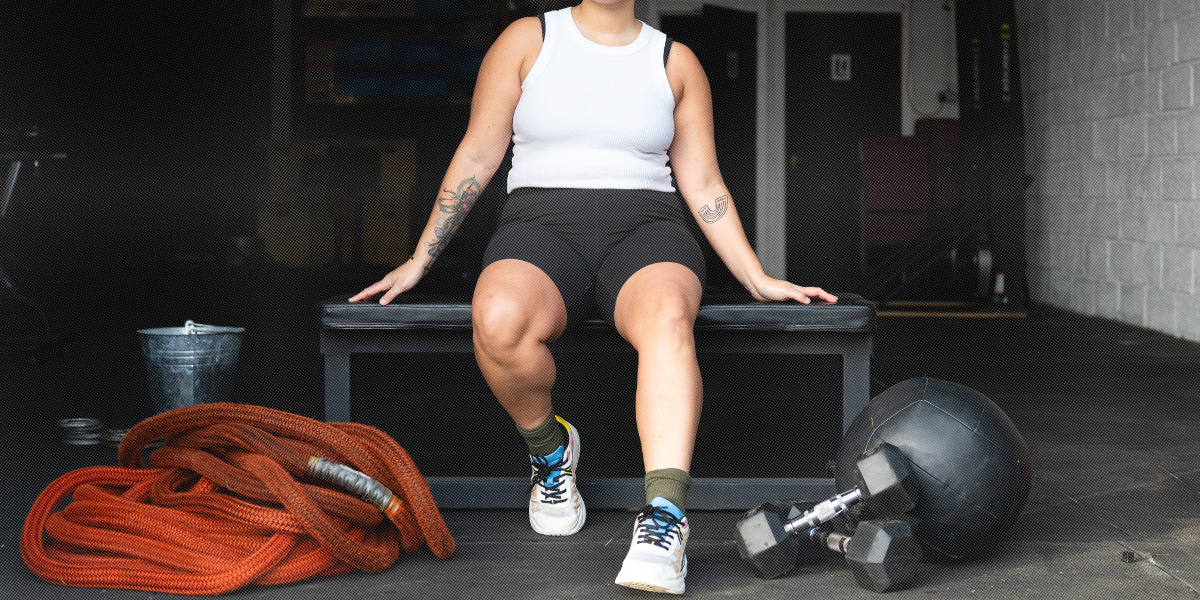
193 364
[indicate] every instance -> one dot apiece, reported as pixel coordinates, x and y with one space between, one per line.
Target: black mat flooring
1109 411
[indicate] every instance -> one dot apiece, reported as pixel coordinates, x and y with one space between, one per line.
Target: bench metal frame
855 348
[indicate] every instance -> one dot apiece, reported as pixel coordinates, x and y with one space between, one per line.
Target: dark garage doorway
844 81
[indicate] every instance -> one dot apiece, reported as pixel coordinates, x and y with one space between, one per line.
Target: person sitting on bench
595 103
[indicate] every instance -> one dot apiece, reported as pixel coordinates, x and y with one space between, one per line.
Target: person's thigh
536 246
655 243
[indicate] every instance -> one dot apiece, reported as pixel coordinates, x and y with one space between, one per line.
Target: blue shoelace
549 476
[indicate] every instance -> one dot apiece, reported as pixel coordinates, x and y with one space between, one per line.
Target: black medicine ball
971 463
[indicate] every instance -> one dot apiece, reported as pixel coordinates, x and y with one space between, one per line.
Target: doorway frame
771 134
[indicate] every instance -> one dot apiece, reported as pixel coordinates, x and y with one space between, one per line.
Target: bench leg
337 388
856 386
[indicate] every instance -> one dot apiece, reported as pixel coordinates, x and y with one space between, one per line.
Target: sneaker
555 506
656 561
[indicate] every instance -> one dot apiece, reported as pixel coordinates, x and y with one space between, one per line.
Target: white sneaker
555 506
656 561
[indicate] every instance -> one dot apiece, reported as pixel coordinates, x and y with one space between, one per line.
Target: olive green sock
671 484
545 438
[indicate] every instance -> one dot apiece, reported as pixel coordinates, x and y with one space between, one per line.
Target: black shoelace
657 525
553 491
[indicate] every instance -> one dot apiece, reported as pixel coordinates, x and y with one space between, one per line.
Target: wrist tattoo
712 215
426 267
452 211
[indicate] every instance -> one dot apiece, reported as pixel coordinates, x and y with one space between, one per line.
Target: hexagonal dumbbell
882 555
763 544
885 484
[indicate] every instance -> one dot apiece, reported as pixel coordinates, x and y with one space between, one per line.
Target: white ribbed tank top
594 116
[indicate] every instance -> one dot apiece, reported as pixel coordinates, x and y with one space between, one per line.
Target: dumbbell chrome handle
838 542
824 511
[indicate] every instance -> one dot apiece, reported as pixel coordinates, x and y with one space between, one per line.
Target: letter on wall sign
839 67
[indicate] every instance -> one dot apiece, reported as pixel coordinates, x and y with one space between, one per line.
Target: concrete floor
1109 412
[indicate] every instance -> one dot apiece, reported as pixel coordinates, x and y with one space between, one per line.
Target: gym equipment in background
982 233
348 170
25 326
970 462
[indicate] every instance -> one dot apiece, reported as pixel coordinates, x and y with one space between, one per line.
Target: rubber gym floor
1109 412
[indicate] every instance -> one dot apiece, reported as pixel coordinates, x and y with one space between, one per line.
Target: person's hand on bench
769 288
401 279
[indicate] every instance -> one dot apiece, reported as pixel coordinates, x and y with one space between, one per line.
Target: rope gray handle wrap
354 481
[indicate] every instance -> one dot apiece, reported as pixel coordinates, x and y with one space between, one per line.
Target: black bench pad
717 311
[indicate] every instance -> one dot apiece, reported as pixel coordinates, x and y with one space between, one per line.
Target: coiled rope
237 495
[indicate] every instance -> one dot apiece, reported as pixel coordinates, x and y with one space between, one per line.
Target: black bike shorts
590 242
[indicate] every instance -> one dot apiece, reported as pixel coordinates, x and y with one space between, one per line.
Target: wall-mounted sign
839 67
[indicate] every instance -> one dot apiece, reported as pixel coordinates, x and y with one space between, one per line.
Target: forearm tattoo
452 210
709 215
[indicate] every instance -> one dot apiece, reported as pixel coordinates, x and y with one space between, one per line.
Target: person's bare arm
694 160
479 155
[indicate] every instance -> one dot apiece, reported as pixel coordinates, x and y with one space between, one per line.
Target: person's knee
665 318
672 313
515 307
501 322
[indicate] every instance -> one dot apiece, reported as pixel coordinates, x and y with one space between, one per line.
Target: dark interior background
162 110
158 107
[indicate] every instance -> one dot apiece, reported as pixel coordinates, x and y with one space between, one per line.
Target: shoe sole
646 587
574 527
653 587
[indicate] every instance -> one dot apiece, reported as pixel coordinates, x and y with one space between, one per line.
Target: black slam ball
971 463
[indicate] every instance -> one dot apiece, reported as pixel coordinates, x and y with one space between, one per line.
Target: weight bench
726 324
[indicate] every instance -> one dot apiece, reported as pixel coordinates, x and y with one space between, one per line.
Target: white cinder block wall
1112 108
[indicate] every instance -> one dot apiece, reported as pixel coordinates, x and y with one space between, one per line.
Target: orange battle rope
238 495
